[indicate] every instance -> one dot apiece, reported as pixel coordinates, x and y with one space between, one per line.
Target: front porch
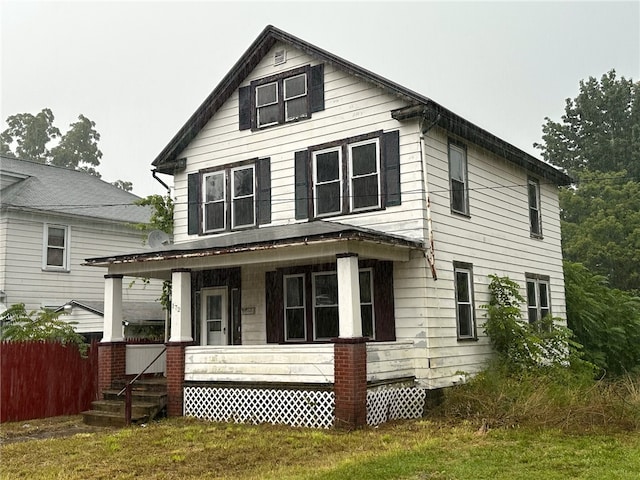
263 333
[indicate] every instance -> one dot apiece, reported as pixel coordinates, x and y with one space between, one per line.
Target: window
267 108
465 311
365 174
347 176
327 179
325 306
538 301
243 206
214 202
305 299
458 179
237 196
56 248
283 98
294 308
535 225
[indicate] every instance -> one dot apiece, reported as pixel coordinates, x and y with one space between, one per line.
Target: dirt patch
42 428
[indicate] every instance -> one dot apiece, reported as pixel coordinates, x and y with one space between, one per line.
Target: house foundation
350 382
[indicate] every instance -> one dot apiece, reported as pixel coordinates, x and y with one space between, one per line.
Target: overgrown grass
413 450
571 403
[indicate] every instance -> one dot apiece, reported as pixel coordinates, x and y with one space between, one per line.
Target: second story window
327 179
348 176
56 248
234 197
243 205
458 181
267 108
535 223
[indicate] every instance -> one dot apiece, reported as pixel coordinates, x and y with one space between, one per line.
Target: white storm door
214 316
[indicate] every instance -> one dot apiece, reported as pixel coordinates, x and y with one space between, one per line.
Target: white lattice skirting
298 408
394 402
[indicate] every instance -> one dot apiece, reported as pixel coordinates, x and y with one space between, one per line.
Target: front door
214 316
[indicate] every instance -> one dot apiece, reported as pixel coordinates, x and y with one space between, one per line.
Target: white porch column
181 306
113 330
349 296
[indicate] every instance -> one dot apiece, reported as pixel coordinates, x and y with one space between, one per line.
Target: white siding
352 107
494 239
26 282
296 364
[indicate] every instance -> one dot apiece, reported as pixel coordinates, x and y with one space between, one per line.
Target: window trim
533 182
379 304
279 80
372 303
344 147
303 306
261 204
453 144
204 203
339 180
233 198
314 276
352 177
536 280
467 268
66 250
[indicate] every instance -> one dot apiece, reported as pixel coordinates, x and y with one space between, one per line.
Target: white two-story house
334 233
51 219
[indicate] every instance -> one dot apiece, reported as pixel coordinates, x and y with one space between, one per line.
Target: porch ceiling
309 242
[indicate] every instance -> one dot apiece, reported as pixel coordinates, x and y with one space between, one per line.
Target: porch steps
148 401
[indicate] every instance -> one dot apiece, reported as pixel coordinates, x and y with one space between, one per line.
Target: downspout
154 174
431 253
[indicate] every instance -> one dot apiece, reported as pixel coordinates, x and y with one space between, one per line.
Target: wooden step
117 406
110 419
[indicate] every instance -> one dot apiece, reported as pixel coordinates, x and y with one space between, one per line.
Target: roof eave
434 114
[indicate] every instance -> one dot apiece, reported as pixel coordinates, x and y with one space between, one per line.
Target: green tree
28 137
17 325
600 129
606 321
31 134
121 184
161 215
600 221
78 148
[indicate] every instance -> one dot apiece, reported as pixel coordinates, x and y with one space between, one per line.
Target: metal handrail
128 386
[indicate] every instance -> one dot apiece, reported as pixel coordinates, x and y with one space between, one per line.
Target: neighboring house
51 219
334 233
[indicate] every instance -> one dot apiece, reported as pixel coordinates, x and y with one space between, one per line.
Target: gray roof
418 106
265 237
35 186
131 311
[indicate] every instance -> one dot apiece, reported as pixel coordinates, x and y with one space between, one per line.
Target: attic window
280 57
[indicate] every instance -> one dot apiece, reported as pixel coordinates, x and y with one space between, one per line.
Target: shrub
17 325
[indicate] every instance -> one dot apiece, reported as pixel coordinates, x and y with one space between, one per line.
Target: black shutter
193 202
316 88
391 152
244 112
264 191
274 307
302 184
383 302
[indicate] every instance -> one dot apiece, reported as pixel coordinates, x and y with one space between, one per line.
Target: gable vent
280 57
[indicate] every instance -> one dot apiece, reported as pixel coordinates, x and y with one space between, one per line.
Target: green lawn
417 450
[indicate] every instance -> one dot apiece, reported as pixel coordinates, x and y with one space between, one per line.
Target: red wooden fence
45 379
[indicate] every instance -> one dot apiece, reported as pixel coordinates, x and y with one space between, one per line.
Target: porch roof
264 239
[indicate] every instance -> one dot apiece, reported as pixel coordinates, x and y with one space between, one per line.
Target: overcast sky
140 69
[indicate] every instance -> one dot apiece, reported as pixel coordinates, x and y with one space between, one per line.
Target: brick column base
350 382
175 377
112 358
